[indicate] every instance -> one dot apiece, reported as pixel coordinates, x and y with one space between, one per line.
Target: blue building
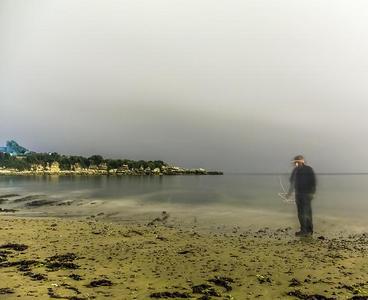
13 148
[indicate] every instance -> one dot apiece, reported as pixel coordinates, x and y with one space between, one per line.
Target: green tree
95 159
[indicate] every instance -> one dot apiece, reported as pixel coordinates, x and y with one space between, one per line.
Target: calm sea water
338 195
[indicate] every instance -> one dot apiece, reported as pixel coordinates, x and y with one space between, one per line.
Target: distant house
77 167
123 168
102 166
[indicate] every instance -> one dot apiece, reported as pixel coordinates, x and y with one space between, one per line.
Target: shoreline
138 209
73 173
103 174
103 170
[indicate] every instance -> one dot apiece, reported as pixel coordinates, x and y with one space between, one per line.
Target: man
303 181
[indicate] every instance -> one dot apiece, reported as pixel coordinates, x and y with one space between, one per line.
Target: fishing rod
284 194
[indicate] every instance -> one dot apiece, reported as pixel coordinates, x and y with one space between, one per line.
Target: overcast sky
233 85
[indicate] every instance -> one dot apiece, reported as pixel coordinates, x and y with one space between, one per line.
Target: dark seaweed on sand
101 282
171 295
16 247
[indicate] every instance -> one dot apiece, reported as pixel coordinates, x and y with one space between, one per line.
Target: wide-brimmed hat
298 158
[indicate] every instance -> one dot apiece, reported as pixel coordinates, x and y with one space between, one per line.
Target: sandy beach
100 255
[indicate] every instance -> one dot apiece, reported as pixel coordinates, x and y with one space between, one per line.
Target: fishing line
284 193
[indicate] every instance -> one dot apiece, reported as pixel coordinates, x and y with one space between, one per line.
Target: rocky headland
17 160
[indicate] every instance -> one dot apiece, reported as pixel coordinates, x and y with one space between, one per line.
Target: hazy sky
233 85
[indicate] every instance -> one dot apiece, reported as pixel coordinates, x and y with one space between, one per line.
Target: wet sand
155 255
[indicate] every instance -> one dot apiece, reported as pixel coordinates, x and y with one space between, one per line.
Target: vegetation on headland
26 162
38 163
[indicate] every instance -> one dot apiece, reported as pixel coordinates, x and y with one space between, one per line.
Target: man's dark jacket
303 179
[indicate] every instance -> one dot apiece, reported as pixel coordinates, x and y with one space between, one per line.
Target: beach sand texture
94 258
